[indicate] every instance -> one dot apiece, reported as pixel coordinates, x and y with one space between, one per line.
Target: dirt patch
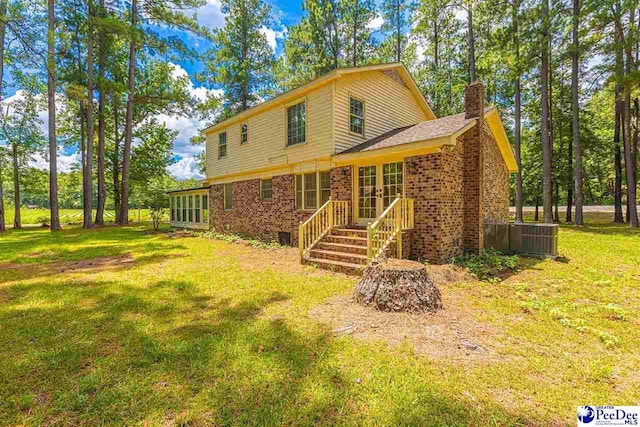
4 295
448 273
452 333
24 271
284 259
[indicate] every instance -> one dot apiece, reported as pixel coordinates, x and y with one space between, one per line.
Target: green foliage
43 220
490 265
234 238
241 59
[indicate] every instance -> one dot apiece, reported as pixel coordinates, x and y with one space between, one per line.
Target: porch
328 239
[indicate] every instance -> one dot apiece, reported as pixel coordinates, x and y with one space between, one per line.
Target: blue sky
284 14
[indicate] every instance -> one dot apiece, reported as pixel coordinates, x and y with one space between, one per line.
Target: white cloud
210 15
185 168
65 162
375 23
273 36
187 127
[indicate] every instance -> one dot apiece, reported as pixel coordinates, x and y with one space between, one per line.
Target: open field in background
71 216
126 326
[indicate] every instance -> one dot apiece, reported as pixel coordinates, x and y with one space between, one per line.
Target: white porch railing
332 214
388 226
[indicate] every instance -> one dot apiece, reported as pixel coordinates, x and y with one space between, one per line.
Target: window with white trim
222 145
297 123
244 133
356 116
312 190
266 189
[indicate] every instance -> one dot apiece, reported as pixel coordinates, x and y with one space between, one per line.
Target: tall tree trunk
398 32
518 113
102 190
632 204
17 223
636 109
547 195
88 184
355 34
116 160
570 183
51 98
537 213
128 126
575 116
3 14
472 42
626 135
617 216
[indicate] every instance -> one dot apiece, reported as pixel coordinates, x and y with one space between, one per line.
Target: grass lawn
126 326
68 216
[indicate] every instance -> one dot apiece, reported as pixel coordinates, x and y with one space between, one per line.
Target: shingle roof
423 131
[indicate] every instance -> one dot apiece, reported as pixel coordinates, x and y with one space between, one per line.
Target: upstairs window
356 116
244 135
297 124
222 145
266 189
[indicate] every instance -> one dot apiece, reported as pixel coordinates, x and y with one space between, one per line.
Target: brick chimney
474 100
473 230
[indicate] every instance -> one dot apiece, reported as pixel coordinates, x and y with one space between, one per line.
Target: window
325 187
311 188
299 204
179 211
184 208
205 209
310 191
356 116
190 208
173 208
392 181
296 123
228 188
198 208
266 191
222 145
244 136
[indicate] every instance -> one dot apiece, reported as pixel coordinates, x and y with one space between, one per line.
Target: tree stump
398 285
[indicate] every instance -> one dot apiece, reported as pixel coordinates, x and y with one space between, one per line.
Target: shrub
490 265
43 220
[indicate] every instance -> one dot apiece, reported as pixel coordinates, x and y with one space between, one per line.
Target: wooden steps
342 249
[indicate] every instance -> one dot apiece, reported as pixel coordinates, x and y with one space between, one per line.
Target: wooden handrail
398 216
333 213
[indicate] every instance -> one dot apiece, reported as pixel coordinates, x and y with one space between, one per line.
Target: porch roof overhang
428 137
189 190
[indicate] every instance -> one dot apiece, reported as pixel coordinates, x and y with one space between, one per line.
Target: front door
378 185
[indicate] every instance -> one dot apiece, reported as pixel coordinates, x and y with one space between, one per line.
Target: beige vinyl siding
267 143
388 105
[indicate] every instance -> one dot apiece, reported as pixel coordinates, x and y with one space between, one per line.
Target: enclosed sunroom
189 208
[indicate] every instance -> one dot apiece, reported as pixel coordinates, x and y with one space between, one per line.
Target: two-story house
353 164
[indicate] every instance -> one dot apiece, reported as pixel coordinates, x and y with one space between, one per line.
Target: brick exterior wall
263 219
473 234
254 217
495 184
